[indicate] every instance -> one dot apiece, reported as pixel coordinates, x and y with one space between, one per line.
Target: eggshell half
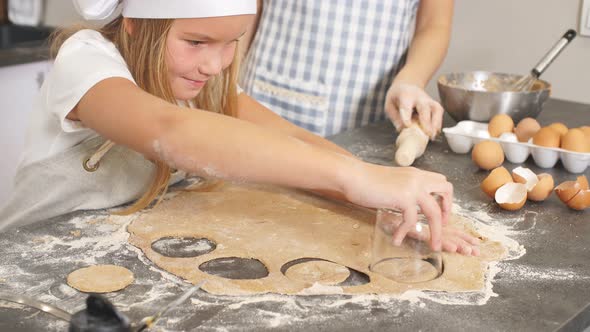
526 177
583 181
511 196
543 188
497 178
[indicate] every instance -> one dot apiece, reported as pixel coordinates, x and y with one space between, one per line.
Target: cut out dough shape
322 272
100 279
277 226
407 270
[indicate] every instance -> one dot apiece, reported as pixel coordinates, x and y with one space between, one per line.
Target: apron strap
91 164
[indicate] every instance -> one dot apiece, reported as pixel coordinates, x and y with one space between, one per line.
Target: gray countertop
544 290
23 44
31 52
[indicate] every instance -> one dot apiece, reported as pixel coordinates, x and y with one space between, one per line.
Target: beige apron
65 183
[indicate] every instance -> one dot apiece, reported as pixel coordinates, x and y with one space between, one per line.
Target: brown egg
543 189
500 124
511 196
559 127
547 137
575 140
586 130
526 128
497 178
487 155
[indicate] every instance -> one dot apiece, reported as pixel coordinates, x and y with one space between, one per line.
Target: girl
154 90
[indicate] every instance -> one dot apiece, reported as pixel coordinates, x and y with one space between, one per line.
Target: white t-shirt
84 59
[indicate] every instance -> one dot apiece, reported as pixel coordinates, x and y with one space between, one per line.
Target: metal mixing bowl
480 95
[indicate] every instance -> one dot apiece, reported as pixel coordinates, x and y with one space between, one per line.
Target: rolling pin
410 144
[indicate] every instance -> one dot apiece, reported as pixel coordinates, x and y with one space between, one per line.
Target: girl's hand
401 101
453 240
404 189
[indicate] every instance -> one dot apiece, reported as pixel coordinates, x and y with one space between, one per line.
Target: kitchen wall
495 35
60 12
511 36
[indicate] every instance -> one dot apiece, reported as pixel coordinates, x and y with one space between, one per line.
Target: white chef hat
102 9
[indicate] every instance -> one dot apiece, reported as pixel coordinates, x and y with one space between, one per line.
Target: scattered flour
109 239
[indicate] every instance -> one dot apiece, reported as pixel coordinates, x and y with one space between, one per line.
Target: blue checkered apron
326 65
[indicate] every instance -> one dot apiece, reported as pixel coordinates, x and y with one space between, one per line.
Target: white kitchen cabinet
19 84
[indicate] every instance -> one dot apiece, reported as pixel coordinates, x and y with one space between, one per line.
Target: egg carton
465 134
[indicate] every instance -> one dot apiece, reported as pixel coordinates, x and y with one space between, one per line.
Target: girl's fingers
469 238
410 215
432 211
446 204
455 240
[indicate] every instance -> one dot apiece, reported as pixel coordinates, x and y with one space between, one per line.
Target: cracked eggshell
580 201
567 190
498 177
511 196
526 177
583 181
543 188
500 123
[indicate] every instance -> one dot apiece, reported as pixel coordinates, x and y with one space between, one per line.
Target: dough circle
100 278
406 270
322 272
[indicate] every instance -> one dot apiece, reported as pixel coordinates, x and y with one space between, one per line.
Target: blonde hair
144 53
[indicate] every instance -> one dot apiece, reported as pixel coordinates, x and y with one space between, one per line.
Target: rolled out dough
277 226
100 278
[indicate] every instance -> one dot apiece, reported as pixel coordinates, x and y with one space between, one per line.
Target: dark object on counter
18 35
99 316
3 11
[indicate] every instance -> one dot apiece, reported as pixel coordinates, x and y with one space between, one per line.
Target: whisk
526 82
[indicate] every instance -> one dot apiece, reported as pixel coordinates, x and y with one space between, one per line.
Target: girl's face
200 48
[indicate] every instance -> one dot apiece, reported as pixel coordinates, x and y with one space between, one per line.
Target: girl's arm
207 143
204 142
252 111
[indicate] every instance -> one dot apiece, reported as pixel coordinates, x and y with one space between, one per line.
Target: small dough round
100 278
406 269
322 272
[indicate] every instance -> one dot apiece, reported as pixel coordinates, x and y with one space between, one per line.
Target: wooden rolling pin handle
411 144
